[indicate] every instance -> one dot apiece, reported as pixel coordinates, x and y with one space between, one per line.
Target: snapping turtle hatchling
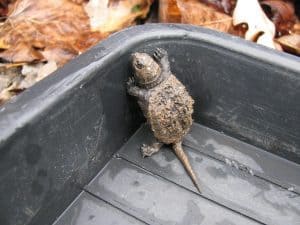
165 103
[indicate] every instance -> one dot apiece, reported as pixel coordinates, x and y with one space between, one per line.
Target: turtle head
147 71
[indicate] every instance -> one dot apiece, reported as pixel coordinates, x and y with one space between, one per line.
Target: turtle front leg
148 150
134 90
161 56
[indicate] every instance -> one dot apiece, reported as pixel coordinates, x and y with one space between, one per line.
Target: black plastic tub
56 136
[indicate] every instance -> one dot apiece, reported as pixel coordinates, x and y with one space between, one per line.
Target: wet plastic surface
88 210
157 190
155 200
246 157
57 135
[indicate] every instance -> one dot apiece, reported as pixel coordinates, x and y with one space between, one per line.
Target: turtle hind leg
148 150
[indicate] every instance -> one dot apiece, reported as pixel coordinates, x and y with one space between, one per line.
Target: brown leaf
4 7
22 52
62 26
290 43
60 53
282 13
169 11
34 25
200 14
79 1
224 6
50 33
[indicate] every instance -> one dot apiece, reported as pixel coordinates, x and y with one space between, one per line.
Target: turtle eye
139 65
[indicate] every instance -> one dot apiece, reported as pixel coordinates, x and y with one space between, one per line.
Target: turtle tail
177 147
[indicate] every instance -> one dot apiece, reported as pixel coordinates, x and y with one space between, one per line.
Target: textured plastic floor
241 184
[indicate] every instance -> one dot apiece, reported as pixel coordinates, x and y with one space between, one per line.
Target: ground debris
39 36
45 35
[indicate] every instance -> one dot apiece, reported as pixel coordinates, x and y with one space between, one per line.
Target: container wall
55 136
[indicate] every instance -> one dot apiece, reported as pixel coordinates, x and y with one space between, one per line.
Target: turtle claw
159 54
130 82
149 150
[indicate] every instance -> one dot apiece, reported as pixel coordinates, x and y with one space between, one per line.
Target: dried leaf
9 80
79 1
55 31
14 81
4 5
290 43
35 72
7 75
260 28
46 69
59 53
296 28
29 73
5 95
194 12
109 16
224 6
169 11
34 25
282 13
22 52
11 65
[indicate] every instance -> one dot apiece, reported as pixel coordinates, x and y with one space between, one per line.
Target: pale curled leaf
46 69
36 72
260 28
14 80
109 16
266 40
290 43
7 76
10 78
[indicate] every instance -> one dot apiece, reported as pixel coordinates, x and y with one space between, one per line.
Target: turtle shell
170 110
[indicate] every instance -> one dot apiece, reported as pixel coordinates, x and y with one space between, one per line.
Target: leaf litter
37 37
40 36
